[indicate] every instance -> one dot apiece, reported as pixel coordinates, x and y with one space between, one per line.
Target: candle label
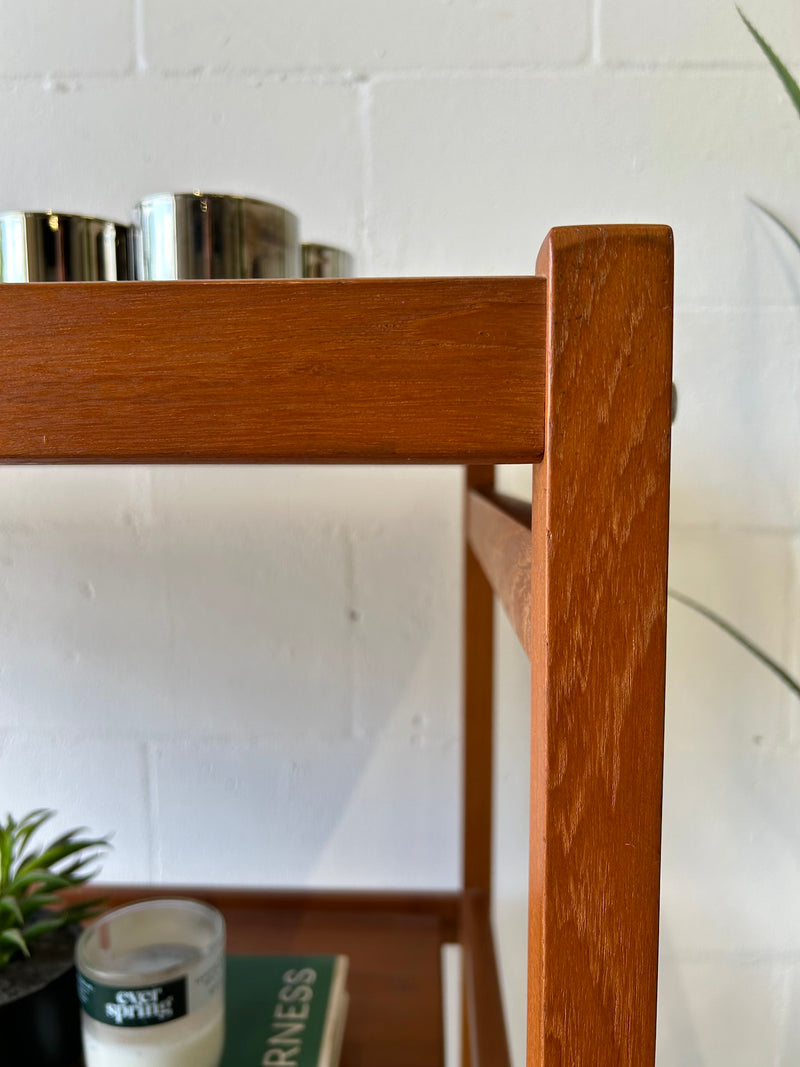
153 1004
142 1006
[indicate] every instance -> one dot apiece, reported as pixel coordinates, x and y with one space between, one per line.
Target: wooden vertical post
478 676
599 555
478 654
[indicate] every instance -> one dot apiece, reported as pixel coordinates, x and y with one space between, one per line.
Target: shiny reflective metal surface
324 261
46 246
212 235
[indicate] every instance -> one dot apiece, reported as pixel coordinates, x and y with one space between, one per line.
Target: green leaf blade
10 905
778 222
758 653
61 849
38 876
36 901
777 64
44 926
32 877
15 940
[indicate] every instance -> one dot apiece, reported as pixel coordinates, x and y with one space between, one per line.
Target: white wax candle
151 981
194 1041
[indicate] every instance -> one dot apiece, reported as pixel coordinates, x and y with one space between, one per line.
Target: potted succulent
39 1016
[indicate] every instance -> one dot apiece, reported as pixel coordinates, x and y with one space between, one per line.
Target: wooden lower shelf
394 942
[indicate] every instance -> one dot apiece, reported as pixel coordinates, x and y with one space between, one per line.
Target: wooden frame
595 546
273 372
572 368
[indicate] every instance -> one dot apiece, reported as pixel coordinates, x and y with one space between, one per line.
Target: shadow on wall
731 844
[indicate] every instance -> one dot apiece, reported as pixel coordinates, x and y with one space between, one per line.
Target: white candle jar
151 981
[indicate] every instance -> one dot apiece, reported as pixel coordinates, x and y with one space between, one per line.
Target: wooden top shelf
436 370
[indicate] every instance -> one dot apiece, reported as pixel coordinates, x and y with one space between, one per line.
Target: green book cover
284 1011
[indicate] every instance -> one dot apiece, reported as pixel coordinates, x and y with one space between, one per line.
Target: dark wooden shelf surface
394 942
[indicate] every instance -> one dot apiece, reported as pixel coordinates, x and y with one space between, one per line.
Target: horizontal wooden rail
486 1027
499 531
358 370
444 905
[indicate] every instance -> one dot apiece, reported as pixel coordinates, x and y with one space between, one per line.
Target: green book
284 1011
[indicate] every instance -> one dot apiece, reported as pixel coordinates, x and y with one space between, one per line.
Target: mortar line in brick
367 171
253 79
717 528
154 857
768 956
782 1019
459 74
358 731
595 50
684 66
585 69
334 76
138 36
351 613
746 308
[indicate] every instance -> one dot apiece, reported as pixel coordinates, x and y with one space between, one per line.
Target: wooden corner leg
599 568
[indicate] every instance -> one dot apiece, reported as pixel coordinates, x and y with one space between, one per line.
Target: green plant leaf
778 65
29 825
34 816
789 84
76 868
59 850
87 909
11 904
43 926
36 901
791 683
5 857
47 879
14 938
31 879
778 222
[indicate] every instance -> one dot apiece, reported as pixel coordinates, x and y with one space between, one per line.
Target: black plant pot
39 1010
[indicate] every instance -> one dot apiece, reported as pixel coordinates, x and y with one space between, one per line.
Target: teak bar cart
570 370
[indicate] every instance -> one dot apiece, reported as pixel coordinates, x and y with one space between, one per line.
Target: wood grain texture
599 563
500 536
355 370
486 1029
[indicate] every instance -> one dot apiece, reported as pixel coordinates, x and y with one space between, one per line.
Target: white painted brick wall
362 35
298 144
694 32
268 660
496 161
721 1011
90 780
77 37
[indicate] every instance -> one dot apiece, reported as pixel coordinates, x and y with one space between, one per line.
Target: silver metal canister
46 246
324 261
212 235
